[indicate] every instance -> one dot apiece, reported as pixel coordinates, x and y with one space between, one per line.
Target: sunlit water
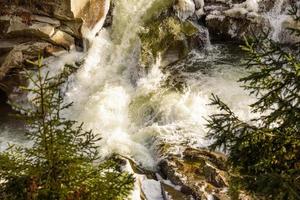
161 105
134 109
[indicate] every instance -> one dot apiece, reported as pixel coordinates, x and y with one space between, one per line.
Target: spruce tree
264 154
62 161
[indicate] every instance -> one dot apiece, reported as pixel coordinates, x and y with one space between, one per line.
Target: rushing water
11 129
132 108
276 19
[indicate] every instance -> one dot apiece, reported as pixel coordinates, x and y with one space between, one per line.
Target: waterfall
129 109
133 109
276 17
102 89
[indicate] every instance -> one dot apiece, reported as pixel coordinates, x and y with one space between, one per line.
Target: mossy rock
167 36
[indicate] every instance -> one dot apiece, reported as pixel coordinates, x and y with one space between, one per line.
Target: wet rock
38 30
170 193
233 20
199 172
88 11
170 38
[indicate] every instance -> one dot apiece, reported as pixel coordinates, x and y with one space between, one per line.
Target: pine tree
61 162
265 153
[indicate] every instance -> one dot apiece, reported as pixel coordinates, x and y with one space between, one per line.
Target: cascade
133 110
102 89
276 17
130 109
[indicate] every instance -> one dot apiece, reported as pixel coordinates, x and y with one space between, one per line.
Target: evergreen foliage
61 163
265 153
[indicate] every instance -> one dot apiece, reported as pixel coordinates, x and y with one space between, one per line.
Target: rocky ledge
29 28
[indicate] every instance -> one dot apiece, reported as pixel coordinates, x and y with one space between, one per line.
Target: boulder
171 38
233 21
45 29
199 172
89 11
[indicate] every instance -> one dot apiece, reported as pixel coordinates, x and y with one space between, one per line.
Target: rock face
234 20
29 28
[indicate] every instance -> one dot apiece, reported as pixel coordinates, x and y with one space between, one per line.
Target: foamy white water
131 109
102 89
276 18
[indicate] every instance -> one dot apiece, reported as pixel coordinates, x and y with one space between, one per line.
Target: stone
199 172
199 4
48 20
171 193
170 38
88 11
29 28
42 30
63 39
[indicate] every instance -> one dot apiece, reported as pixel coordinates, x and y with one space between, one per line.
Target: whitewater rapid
133 109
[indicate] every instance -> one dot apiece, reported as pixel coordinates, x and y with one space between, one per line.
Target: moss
166 33
189 29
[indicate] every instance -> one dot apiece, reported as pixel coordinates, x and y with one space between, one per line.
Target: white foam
276 18
131 112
